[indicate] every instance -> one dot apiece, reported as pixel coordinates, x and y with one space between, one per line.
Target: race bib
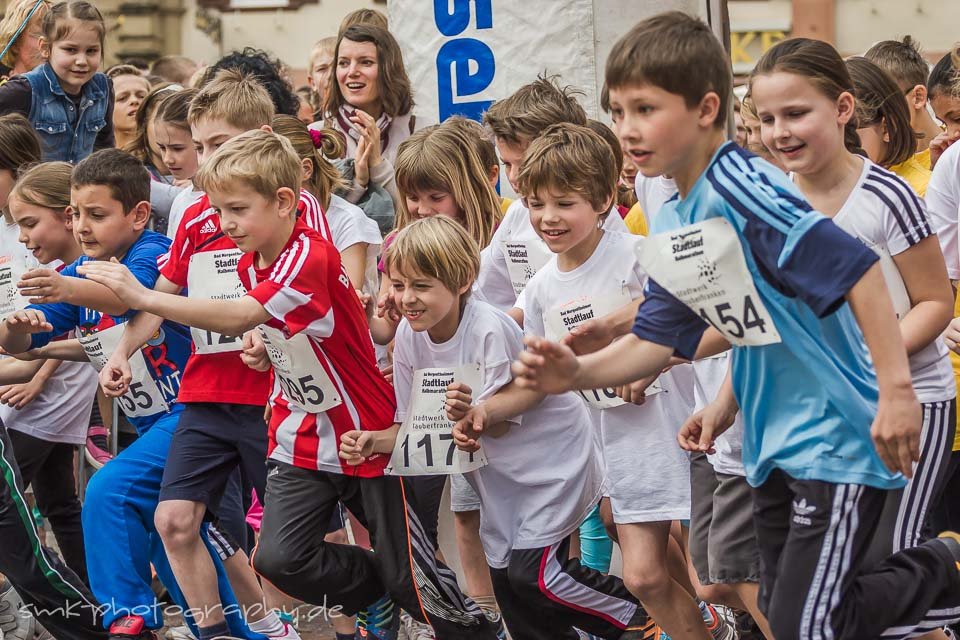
213 276
143 398
303 380
560 320
524 259
703 266
425 441
895 285
12 269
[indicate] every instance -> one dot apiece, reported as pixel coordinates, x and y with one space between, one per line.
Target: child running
317 338
802 302
529 509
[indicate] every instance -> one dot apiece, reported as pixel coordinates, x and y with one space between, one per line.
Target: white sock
269 624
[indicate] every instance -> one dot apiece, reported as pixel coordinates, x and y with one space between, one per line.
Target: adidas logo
209 227
801 512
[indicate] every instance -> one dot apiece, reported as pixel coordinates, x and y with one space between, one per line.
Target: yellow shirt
915 170
955 361
505 204
637 222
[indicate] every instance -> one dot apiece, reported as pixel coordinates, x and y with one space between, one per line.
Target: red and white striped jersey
306 291
221 377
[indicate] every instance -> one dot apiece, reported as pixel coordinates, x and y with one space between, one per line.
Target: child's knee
176 523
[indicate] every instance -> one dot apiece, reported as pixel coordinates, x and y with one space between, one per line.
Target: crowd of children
731 359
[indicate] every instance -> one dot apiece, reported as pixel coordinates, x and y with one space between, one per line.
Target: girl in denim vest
69 103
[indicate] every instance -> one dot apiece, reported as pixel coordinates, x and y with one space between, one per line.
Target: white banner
462 55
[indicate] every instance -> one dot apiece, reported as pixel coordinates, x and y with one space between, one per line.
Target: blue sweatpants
122 542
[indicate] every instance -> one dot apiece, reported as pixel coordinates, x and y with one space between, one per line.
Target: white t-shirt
709 374
653 192
349 225
543 477
183 200
61 413
647 473
515 234
943 206
883 212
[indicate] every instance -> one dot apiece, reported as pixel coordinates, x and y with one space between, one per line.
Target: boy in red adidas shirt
326 383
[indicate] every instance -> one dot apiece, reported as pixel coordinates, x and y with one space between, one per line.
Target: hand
356 446
45 285
387 308
940 144
361 167
28 321
459 399
588 337
467 431
635 392
254 353
952 335
545 366
267 413
387 372
118 278
896 430
19 396
364 298
115 377
366 126
701 429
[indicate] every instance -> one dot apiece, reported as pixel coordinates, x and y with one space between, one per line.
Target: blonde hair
45 185
326 45
474 131
568 157
442 158
15 15
324 179
439 248
261 160
234 97
370 17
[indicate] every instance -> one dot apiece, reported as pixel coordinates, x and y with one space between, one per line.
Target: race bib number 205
703 266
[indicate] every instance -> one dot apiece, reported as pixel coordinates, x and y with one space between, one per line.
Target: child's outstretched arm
228 317
16 328
931 296
491 417
44 286
896 428
550 367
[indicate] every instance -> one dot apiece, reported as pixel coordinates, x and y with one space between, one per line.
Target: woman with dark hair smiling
370 103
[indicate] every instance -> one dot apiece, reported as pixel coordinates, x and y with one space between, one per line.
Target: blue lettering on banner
465 66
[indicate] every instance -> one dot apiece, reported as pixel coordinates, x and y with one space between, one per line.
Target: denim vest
65 134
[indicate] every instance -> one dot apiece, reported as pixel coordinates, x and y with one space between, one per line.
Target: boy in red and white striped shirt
326 383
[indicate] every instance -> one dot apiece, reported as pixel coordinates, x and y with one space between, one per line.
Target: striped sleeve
902 213
312 214
296 293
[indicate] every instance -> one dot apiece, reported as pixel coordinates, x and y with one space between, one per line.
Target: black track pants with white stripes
906 511
58 598
813 539
294 557
544 593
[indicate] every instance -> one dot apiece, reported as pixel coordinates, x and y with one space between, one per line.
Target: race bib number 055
425 442
144 397
703 266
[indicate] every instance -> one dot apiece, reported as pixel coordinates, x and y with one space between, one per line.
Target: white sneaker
289 633
179 633
43 634
414 629
25 629
10 604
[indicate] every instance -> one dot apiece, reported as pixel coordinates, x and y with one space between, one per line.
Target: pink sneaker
98 449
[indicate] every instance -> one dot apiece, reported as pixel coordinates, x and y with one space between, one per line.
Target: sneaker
649 630
746 626
24 627
179 633
378 621
97 451
43 634
289 633
494 618
10 604
414 629
130 628
720 629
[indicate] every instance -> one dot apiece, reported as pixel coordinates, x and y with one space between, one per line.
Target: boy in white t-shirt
568 177
530 501
516 251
